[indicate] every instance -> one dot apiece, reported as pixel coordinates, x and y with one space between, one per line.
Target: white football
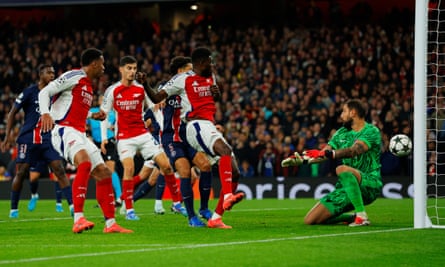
400 145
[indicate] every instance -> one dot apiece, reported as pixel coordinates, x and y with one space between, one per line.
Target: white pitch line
191 246
139 213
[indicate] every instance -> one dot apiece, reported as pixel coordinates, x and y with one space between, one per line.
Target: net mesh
436 113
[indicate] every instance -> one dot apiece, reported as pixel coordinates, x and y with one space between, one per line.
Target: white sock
215 216
362 214
110 222
77 216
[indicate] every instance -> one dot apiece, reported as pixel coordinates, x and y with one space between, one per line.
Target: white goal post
429 100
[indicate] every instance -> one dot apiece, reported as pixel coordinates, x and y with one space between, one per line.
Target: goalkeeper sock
352 188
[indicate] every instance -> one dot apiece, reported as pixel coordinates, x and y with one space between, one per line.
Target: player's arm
216 93
156 97
53 88
359 147
9 122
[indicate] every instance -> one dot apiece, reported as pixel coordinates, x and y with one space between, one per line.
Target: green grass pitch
265 232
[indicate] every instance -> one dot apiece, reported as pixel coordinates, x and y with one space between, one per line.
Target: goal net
429 115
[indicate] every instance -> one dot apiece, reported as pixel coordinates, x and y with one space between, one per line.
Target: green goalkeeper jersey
368 162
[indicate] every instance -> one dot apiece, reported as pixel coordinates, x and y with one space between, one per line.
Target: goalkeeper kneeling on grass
357 144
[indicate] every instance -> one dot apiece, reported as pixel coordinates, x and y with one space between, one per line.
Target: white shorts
150 164
202 135
144 143
67 141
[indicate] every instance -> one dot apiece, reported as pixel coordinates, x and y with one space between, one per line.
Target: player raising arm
357 145
198 92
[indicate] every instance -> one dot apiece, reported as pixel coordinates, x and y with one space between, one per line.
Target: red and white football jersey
129 103
72 96
197 99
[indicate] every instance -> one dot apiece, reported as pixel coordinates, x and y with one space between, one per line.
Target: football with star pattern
400 145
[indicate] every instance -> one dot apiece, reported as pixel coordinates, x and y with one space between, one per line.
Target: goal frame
421 218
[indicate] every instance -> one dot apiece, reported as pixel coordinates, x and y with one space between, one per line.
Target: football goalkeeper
357 145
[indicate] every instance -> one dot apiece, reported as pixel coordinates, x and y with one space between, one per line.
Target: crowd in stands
283 86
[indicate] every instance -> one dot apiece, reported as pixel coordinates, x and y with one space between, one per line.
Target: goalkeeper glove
314 153
294 160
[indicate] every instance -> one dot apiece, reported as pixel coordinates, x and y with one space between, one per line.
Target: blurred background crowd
283 84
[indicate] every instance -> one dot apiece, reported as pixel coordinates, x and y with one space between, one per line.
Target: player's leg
104 194
111 158
116 182
33 187
165 167
331 209
22 172
201 161
182 166
229 173
146 185
350 178
127 150
57 167
58 193
160 187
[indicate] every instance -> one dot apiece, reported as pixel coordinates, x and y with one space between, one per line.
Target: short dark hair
89 55
179 62
127 60
358 106
42 67
199 54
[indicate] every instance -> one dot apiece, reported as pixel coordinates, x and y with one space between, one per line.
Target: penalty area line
191 246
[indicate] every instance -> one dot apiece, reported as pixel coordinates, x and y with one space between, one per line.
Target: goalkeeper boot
360 221
294 160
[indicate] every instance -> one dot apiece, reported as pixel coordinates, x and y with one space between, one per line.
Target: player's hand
216 93
141 77
47 122
314 153
103 146
294 160
4 145
100 115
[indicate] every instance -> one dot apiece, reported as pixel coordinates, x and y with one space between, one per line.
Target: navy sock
58 192
187 196
160 186
205 186
143 189
34 186
15 196
68 193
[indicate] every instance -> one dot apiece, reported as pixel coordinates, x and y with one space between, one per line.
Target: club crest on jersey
136 95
